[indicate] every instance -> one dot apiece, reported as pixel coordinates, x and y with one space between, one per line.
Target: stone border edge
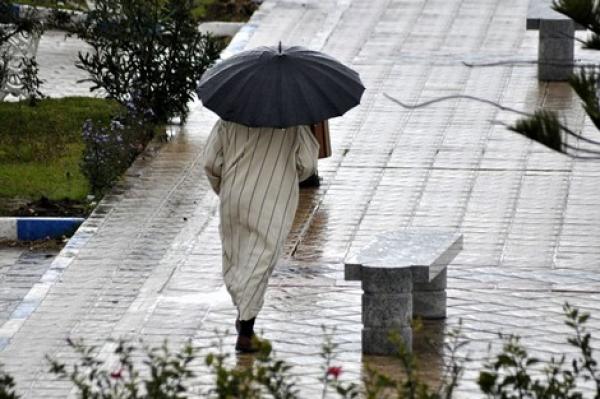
37 228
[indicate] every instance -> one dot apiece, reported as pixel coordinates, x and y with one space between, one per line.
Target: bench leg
556 50
386 308
429 299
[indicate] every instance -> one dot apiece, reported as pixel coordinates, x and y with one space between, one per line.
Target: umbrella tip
280 47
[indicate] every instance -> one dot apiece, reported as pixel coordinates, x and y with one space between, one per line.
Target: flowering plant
165 380
111 148
512 373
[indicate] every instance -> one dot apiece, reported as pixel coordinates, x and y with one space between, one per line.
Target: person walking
255 171
257 154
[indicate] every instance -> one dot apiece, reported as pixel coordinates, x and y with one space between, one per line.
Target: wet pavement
20 269
147 263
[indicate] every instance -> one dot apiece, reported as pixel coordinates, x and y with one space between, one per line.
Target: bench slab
425 251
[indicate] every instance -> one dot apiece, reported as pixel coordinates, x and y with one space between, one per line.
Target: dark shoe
312 181
247 344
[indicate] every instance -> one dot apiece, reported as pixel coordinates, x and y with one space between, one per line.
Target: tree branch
489 102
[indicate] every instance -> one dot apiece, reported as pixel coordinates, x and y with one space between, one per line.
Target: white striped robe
255 172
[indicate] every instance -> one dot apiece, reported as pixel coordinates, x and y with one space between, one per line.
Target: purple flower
116 125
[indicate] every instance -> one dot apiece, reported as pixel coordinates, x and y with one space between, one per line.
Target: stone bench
556 41
403 275
16 50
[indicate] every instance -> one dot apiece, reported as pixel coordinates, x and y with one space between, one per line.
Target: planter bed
40 152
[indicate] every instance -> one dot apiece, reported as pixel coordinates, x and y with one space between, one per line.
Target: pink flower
117 375
334 371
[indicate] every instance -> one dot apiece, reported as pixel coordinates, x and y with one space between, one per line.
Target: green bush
265 375
509 374
110 147
166 379
146 51
7 386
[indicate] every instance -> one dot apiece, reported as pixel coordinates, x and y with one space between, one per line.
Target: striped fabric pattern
255 172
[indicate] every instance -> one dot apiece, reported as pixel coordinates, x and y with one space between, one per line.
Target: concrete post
386 307
429 299
556 49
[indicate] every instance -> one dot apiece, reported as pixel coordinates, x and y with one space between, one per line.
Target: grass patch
41 146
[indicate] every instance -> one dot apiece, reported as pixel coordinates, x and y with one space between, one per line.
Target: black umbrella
280 87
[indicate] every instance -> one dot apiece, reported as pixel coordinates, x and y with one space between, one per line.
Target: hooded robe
255 172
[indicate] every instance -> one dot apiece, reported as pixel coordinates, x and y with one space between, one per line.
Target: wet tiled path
147 264
20 269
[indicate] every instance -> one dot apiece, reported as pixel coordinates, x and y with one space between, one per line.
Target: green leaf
543 127
583 318
586 84
582 12
487 381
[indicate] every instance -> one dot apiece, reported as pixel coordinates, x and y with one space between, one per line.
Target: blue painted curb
15 10
37 228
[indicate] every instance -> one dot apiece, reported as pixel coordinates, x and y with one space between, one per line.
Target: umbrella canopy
280 87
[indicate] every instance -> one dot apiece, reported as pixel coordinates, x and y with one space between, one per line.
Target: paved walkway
20 269
147 263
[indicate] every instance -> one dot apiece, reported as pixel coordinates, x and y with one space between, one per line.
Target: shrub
148 47
7 386
167 375
111 147
510 374
30 80
265 375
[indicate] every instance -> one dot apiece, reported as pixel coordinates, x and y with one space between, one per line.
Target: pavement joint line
515 201
488 169
339 162
520 290
483 140
380 89
565 204
321 39
453 106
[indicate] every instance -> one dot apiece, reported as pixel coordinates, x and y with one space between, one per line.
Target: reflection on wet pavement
20 269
